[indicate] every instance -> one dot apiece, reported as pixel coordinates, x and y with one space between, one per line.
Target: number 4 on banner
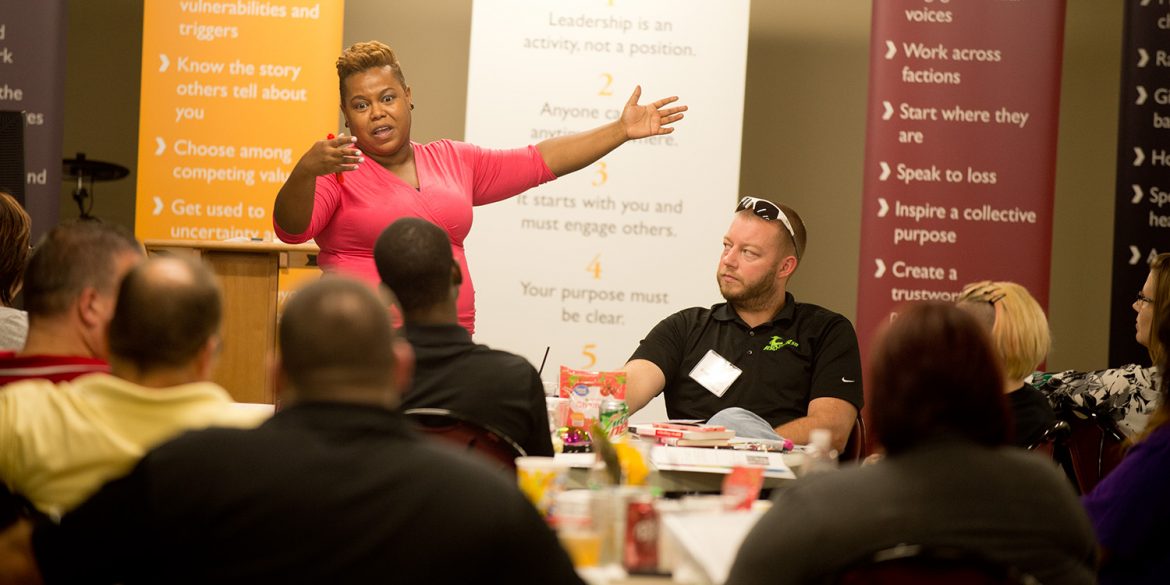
594 267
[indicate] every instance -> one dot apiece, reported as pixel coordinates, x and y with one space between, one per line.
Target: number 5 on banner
587 351
594 267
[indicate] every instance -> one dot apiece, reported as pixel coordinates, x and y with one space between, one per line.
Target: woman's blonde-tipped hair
367 55
1019 328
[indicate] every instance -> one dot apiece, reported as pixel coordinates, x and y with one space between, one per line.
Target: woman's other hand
332 155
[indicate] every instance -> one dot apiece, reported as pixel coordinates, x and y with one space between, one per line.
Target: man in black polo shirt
761 362
492 387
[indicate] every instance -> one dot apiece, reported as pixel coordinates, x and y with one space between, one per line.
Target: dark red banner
960 150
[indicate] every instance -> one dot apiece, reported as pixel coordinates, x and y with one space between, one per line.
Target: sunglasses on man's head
765 209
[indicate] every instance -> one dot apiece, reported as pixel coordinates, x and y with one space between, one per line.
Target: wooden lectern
249 274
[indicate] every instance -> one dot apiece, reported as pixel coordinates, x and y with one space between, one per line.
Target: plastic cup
574 516
558 412
541 479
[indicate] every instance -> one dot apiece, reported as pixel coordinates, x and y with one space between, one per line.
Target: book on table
684 432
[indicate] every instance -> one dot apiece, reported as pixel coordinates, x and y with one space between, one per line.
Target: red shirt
54 368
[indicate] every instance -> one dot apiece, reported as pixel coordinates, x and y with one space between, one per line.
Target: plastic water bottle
819 456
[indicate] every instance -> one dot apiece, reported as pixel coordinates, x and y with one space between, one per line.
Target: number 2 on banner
602 175
594 267
587 351
606 89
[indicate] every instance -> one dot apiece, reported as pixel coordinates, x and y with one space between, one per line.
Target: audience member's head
337 344
1152 301
1018 327
761 249
71 284
14 235
935 375
167 318
414 259
792 235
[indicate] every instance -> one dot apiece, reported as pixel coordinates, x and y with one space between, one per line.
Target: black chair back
464 432
922 565
856 446
1095 445
1054 434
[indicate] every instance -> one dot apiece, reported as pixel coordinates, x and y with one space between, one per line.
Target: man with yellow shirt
60 442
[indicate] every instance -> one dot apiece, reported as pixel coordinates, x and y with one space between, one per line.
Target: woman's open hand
651 119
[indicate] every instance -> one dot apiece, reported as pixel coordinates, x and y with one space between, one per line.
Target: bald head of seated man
70 286
335 488
760 363
60 442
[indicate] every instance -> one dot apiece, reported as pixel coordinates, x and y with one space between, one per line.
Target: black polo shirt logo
779 343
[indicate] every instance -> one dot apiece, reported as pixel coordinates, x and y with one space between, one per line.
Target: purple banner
32 82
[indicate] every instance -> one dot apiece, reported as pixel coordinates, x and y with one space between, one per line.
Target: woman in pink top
345 191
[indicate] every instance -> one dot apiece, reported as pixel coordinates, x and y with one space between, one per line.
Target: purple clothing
452 176
1130 514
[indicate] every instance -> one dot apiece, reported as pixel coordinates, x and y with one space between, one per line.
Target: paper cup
541 479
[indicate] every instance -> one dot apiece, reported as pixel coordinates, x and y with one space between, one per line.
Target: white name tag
715 373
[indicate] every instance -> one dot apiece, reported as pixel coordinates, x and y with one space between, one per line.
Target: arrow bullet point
1137 255
1141 99
1143 57
885 171
158 205
165 63
881 268
884 207
889 110
891 50
1138 157
162 146
1137 194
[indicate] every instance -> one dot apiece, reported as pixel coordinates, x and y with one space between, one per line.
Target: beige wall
803 137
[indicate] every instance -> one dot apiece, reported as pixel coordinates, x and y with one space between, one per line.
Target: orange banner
233 92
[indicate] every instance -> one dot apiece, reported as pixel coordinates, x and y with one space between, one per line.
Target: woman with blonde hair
1019 333
14 251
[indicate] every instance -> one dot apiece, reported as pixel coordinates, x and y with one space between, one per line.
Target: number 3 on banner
594 267
602 175
607 88
587 351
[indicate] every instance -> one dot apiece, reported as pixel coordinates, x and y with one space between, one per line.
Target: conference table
693 470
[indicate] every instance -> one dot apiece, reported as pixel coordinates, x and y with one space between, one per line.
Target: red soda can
641 554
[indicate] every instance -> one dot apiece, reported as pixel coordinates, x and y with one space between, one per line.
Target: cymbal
94 170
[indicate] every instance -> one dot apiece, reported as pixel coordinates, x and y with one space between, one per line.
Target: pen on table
340 179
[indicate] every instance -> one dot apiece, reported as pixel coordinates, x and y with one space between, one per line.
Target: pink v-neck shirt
453 177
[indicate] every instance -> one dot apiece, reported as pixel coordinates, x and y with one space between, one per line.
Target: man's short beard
756 296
